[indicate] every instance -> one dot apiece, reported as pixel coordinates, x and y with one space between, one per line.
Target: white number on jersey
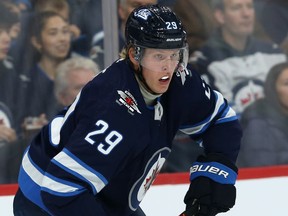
111 140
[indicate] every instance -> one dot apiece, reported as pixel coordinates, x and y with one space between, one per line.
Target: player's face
282 89
158 66
237 18
55 38
5 41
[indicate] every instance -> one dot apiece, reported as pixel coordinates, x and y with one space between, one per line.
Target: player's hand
212 187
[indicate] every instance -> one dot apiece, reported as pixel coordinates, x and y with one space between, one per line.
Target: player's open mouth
164 78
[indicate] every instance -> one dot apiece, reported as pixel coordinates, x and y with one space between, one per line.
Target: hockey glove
212 187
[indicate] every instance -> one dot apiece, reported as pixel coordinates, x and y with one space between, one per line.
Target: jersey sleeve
209 119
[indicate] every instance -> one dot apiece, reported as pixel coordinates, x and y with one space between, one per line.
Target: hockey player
101 155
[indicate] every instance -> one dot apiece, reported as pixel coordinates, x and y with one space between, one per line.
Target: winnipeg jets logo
144 13
128 100
142 185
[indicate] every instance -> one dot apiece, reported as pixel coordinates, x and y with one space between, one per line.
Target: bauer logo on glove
212 187
216 171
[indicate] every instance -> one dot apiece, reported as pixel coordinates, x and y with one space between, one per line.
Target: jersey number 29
112 139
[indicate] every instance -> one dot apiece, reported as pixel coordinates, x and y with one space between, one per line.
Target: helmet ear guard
138 53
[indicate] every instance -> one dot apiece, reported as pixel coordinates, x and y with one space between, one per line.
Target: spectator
8 88
61 7
16 10
71 76
8 138
23 64
8 75
232 60
265 123
50 42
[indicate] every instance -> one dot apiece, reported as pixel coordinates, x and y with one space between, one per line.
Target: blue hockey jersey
101 154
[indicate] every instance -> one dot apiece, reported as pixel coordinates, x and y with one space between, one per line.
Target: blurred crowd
49 49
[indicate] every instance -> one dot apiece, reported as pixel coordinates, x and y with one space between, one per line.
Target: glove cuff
215 167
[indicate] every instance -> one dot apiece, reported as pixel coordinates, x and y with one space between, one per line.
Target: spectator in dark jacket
8 75
8 144
265 123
